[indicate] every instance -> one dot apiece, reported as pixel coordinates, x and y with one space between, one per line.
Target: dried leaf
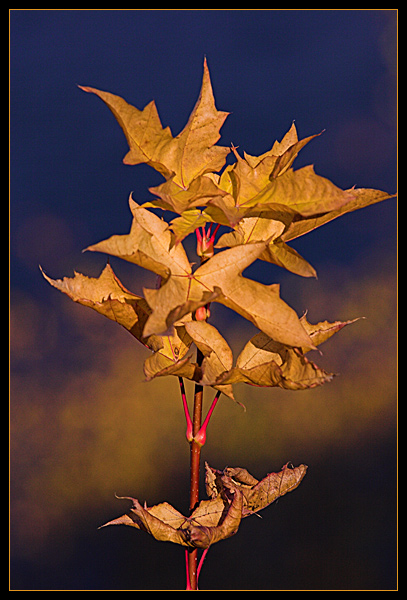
218 357
266 363
150 244
283 153
255 229
260 304
107 295
185 157
212 521
361 198
189 221
256 494
177 199
321 332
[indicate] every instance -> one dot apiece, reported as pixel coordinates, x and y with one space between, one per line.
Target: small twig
189 434
200 437
204 553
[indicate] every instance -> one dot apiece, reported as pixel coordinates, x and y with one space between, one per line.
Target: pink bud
202 313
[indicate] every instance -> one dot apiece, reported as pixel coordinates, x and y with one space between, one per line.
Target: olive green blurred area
86 427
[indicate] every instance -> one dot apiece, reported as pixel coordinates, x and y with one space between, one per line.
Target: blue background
332 70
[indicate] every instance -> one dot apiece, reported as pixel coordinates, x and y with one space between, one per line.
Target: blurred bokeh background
84 424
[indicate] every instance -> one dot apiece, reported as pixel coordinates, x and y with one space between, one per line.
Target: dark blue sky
327 70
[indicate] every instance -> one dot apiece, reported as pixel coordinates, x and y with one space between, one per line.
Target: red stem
200 437
195 457
189 434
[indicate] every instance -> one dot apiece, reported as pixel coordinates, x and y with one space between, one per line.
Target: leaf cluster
234 494
262 203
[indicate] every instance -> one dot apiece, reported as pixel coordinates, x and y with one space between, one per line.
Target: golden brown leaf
212 521
107 295
185 157
151 244
255 229
361 198
256 494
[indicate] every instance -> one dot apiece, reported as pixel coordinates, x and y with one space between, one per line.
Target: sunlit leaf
361 198
177 199
257 495
218 357
150 244
107 295
254 229
266 363
212 521
185 157
281 156
321 332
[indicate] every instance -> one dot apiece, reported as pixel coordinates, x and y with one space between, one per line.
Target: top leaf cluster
263 202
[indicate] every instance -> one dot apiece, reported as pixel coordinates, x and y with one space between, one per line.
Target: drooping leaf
218 357
256 494
107 295
150 244
264 362
321 332
255 229
185 157
362 197
212 521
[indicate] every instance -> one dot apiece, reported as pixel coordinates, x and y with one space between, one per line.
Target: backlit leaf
254 229
107 295
185 157
150 244
256 494
212 521
361 198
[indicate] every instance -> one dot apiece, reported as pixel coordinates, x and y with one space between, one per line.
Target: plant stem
195 456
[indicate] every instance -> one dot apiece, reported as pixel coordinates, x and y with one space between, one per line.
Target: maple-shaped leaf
264 362
294 195
255 229
107 295
255 172
212 521
361 198
218 356
185 157
177 199
150 244
321 332
256 494
261 304
279 158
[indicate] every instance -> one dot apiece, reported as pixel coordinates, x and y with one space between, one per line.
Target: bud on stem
204 242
